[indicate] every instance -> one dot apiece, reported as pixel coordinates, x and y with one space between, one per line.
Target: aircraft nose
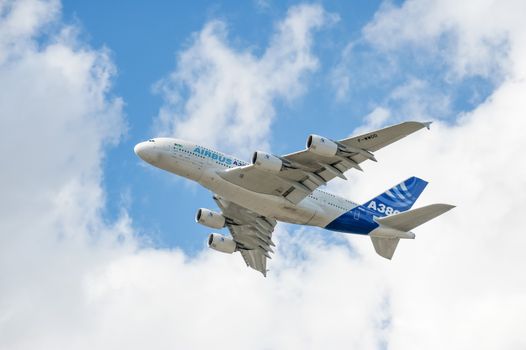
139 149
145 151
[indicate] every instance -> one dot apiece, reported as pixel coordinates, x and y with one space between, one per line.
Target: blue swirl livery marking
393 201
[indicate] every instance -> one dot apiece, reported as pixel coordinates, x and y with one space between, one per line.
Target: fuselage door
356 215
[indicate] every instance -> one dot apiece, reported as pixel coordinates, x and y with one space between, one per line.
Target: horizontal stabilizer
408 220
385 246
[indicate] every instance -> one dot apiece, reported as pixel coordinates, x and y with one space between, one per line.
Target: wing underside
251 232
302 172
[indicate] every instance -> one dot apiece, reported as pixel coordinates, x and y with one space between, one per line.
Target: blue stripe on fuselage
358 220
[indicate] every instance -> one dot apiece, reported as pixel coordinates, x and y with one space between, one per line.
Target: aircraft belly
324 216
268 205
296 214
180 165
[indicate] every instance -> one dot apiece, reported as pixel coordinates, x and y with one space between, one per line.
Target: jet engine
321 146
267 162
221 243
210 218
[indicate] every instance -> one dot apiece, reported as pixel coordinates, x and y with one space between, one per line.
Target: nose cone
139 149
145 151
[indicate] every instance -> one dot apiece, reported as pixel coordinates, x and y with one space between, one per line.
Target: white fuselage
201 164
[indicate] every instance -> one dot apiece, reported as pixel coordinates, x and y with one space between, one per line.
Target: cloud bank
457 284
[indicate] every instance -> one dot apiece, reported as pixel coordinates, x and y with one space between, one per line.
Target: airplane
253 197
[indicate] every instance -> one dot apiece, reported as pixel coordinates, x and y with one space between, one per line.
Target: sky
100 250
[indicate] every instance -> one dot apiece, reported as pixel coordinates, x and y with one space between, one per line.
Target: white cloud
447 287
414 99
456 285
418 100
339 76
55 119
262 4
442 41
21 20
472 37
161 299
223 96
374 120
69 279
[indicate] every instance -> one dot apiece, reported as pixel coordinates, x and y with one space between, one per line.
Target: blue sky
144 39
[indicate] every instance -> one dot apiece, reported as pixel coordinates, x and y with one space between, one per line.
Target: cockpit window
151 140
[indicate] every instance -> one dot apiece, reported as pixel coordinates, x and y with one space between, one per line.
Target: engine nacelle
221 243
210 218
321 146
267 162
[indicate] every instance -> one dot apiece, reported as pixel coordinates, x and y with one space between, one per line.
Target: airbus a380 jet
253 196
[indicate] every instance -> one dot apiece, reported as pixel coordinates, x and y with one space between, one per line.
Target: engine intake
321 146
267 162
221 243
210 218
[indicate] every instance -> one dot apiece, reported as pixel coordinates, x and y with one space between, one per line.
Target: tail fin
397 199
385 246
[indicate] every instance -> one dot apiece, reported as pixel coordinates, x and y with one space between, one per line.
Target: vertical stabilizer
385 247
397 199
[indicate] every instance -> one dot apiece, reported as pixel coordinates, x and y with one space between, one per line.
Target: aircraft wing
251 232
304 171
